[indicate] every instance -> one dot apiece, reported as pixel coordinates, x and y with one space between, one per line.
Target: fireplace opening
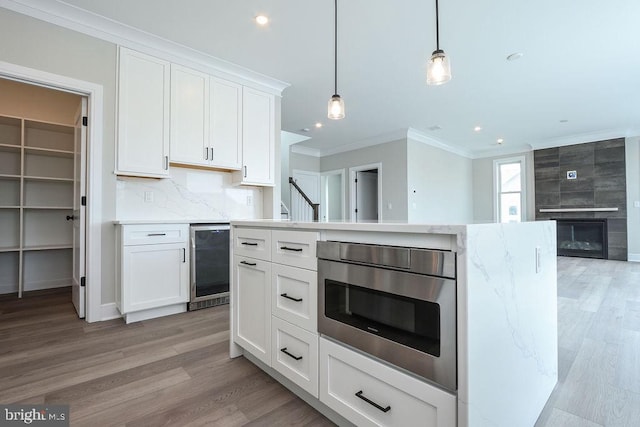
585 238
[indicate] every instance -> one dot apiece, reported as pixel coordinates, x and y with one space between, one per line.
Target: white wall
393 156
439 185
633 195
483 192
303 162
35 44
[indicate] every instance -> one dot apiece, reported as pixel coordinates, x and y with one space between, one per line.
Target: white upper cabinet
225 123
258 139
189 116
143 115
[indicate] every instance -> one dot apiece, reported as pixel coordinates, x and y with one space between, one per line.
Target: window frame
497 187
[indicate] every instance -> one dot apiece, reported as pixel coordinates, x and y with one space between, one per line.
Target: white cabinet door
189 116
143 115
154 276
252 306
225 124
368 393
258 139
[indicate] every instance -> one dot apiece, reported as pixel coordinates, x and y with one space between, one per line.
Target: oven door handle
372 403
291 298
284 350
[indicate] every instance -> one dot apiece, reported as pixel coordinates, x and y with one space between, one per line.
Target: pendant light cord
335 48
437 28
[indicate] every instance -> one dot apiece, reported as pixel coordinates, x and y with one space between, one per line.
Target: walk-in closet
37 179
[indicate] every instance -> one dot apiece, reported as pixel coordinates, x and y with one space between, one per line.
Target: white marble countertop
169 221
396 227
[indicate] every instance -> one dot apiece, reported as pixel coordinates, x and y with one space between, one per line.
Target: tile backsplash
189 194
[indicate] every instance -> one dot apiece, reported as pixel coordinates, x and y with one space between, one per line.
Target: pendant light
438 68
335 110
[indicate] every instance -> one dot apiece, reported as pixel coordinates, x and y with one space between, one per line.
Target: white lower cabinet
294 353
153 269
155 276
252 306
294 296
369 393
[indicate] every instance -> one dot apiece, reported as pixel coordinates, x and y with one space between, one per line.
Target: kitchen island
506 354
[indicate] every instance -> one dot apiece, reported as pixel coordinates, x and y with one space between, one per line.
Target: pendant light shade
335 110
439 67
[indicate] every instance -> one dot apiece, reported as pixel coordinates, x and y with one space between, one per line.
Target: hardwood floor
175 371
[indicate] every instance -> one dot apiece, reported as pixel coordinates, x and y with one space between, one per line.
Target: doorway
332 200
365 193
93 95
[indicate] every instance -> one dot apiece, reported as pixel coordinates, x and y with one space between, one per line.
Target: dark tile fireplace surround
583 187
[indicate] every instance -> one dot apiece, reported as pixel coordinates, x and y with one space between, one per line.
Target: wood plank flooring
172 371
175 371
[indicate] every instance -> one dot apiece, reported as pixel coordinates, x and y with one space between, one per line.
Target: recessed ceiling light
305 129
500 140
435 127
514 56
262 20
477 129
564 121
318 125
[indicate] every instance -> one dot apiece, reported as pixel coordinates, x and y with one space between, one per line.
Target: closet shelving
36 197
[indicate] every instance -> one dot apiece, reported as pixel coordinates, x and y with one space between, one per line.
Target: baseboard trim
109 311
152 313
633 257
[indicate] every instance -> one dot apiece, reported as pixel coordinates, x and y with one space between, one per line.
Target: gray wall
440 188
393 156
633 195
483 191
31 43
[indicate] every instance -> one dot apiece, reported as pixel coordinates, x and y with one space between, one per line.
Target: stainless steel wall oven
209 265
395 303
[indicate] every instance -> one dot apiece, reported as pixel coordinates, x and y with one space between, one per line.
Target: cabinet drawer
295 354
295 248
369 393
294 296
252 242
152 234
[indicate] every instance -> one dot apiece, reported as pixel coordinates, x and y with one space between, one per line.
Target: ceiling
578 81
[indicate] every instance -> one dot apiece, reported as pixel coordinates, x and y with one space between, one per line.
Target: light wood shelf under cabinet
36 188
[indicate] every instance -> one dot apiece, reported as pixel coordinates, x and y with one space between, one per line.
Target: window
510 189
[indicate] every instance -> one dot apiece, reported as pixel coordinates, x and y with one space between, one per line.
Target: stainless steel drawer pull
248 263
372 403
156 234
291 298
249 244
285 248
284 350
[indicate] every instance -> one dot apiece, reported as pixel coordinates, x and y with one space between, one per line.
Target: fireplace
585 238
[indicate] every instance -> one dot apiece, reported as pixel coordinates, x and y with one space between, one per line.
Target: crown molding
74 18
502 151
364 143
307 151
416 135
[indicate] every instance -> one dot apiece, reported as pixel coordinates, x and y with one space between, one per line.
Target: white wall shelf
36 197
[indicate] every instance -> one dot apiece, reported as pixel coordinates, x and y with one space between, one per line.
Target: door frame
326 174
93 235
352 188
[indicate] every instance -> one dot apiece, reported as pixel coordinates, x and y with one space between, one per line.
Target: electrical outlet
249 200
636 204
148 196
389 206
538 260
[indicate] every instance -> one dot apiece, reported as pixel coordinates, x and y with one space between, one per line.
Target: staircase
302 208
